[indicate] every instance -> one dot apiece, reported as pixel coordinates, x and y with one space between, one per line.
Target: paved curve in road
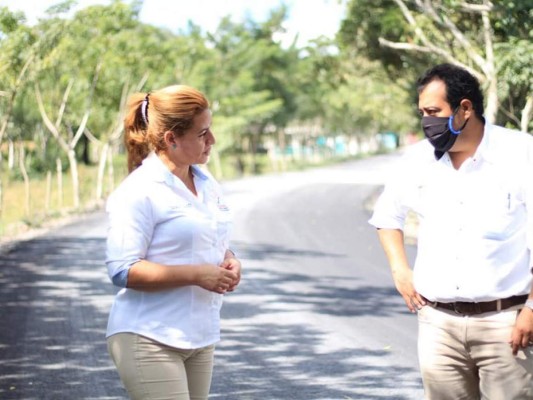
315 317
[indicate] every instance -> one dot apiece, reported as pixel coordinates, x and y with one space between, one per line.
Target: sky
307 18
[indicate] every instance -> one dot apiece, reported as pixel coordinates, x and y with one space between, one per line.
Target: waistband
472 308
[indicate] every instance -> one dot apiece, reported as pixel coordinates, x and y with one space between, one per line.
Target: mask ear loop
450 123
450 126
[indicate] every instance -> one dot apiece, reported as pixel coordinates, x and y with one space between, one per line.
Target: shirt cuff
120 279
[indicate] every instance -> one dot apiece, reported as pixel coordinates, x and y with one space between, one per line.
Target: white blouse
154 217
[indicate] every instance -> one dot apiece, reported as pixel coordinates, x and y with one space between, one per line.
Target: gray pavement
316 315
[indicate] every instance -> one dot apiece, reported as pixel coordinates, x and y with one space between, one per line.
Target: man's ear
467 107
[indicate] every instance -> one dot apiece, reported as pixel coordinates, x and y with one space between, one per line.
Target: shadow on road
286 356
55 299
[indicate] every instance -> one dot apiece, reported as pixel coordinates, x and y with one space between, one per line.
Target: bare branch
51 127
477 8
427 8
64 103
91 137
489 48
420 33
434 50
80 130
411 20
509 114
93 84
527 112
405 46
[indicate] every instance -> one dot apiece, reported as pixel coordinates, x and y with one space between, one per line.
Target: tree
409 35
246 80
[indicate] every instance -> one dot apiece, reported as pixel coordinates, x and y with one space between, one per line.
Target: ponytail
135 130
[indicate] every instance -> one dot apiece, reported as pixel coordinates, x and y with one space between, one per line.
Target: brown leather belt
467 308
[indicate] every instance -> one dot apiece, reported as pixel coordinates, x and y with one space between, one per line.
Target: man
471 185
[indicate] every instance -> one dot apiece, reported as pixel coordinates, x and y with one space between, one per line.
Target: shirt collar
159 172
198 172
484 151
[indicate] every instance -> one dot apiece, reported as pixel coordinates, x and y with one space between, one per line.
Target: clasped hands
223 278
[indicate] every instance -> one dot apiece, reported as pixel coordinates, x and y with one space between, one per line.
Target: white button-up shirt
475 235
153 216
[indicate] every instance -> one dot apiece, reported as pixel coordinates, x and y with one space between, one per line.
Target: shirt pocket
496 212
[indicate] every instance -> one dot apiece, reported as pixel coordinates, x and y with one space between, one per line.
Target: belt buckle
466 308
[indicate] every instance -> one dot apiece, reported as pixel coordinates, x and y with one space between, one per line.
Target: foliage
86 64
407 36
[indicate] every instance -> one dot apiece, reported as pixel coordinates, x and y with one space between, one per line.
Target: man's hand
403 279
522 335
393 244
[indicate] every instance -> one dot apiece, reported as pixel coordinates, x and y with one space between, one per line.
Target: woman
167 248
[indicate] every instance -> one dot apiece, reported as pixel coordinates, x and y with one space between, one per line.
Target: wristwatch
529 304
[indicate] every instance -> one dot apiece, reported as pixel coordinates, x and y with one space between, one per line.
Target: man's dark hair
460 84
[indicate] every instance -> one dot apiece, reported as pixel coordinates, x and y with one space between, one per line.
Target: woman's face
194 146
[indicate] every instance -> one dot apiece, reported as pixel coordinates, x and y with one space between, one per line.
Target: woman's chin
204 159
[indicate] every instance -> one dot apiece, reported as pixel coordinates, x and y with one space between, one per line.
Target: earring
174 146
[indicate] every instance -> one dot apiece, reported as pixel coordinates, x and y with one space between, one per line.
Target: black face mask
440 133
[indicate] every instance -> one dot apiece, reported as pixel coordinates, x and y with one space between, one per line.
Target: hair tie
144 109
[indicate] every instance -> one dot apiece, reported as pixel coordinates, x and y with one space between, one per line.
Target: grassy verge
46 201
47 206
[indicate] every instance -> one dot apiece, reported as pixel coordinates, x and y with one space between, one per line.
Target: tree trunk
492 100
110 170
59 170
526 114
1 202
73 164
11 156
101 170
27 207
48 192
85 147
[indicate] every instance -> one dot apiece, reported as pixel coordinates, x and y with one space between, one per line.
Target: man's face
432 100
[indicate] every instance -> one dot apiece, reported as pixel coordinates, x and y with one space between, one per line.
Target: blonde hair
169 109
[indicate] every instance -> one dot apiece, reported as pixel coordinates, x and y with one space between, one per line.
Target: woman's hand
216 279
234 265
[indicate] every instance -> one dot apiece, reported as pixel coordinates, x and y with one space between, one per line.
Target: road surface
316 315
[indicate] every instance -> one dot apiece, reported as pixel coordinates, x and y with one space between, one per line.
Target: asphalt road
316 315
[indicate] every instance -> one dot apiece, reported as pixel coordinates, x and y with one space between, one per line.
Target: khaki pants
153 371
469 357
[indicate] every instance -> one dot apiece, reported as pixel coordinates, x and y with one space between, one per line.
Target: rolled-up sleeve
389 213
130 231
390 209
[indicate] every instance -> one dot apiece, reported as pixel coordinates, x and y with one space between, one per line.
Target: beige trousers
150 370
469 357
